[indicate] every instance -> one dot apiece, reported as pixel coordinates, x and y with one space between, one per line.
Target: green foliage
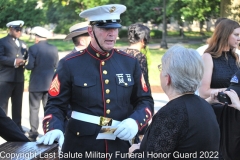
189 10
156 34
139 11
21 10
123 33
27 75
147 52
65 13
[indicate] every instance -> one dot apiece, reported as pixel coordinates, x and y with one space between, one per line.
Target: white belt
99 120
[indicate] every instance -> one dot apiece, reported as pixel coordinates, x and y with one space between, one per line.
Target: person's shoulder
5 37
73 55
207 57
122 53
174 108
50 44
53 46
202 49
33 46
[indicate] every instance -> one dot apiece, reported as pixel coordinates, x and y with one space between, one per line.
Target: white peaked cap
40 31
108 14
17 23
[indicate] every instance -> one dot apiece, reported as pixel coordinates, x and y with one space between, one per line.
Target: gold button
104 72
144 120
78 133
47 125
85 84
106 81
125 84
46 129
47 122
108 101
103 63
80 51
107 55
97 54
140 124
108 111
107 91
17 55
147 116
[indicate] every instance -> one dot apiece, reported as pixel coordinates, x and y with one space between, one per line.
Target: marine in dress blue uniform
103 88
13 53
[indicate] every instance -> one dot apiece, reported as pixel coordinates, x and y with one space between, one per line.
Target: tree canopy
65 13
25 10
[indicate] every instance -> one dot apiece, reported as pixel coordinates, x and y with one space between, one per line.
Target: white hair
184 66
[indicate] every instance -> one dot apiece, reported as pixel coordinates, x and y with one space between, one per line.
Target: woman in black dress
220 64
186 126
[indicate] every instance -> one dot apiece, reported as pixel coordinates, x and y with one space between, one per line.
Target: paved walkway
160 100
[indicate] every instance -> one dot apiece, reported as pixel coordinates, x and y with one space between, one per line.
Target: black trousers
34 104
13 90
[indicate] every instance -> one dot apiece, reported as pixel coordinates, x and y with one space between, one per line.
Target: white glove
127 129
50 136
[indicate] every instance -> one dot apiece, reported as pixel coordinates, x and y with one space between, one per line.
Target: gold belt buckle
104 121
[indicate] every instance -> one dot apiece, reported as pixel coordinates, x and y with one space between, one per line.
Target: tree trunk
164 32
201 28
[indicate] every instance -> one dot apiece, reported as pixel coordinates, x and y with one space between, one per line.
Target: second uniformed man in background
104 86
13 55
42 61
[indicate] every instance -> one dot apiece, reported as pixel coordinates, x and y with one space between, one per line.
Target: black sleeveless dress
228 117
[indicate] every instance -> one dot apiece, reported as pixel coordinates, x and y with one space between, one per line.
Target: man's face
105 36
16 32
36 39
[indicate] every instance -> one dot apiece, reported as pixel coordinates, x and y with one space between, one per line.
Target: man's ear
90 31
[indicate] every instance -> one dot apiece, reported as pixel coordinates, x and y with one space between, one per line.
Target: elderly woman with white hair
186 127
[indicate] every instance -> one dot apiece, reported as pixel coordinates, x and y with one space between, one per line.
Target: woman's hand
134 147
234 98
213 96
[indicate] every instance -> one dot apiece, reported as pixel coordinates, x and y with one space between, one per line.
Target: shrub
155 34
123 33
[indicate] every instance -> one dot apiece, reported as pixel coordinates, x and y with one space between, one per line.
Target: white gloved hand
127 129
50 136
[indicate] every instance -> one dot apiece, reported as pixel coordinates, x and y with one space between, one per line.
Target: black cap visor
107 24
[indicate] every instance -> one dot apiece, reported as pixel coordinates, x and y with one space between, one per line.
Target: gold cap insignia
112 9
20 25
